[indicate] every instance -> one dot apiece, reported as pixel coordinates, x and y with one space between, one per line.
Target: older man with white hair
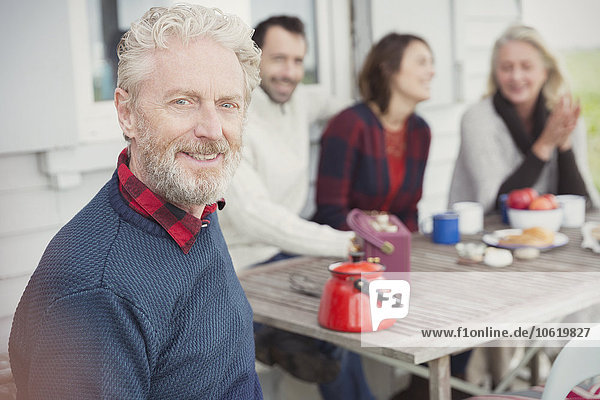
136 297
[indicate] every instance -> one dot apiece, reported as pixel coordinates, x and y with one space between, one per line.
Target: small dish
470 252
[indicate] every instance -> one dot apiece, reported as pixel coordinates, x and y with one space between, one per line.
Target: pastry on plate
535 237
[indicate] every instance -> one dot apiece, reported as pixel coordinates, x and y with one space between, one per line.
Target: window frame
97 121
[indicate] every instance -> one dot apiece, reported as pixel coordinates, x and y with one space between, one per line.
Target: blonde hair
555 86
185 22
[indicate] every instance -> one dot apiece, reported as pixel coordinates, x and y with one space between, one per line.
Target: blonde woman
526 132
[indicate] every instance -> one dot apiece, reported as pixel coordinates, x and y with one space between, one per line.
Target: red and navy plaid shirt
354 171
180 225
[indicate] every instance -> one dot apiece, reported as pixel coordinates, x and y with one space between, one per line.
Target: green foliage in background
584 72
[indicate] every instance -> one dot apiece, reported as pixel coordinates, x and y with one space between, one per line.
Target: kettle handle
359 222
362 285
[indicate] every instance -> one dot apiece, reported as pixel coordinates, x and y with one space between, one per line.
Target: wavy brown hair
384 59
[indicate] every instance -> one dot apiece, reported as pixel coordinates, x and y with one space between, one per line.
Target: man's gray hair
185 22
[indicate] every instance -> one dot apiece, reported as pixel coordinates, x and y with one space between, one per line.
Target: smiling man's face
282 63
186 129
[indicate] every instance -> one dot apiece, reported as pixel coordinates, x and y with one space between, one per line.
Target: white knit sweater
269 190
488 155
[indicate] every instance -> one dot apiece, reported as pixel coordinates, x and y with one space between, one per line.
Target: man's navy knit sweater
116 310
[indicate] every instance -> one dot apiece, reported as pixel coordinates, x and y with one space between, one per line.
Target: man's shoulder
73 260
86 236
92 222
304 91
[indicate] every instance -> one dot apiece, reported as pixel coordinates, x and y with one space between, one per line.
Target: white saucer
493 239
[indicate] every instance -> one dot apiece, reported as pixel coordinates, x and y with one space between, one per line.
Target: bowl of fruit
527 209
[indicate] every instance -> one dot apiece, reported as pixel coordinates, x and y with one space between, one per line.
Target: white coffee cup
573 210
470 217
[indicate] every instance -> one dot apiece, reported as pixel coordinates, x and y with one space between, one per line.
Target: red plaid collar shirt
183 227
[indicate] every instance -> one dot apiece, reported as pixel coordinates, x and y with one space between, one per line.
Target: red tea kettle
345 300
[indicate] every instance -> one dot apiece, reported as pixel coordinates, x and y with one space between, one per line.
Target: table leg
534 366
439 379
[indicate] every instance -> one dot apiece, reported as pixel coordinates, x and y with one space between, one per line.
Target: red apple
521 198
531 192
541 203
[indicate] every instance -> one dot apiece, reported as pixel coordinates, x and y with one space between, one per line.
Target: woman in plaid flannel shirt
373 154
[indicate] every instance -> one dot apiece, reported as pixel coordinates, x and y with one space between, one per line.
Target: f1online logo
388 299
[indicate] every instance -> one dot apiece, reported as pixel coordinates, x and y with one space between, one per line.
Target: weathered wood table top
444 295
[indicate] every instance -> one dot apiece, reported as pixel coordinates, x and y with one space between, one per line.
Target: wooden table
533 291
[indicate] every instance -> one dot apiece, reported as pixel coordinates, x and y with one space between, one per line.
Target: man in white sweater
270 188
268 192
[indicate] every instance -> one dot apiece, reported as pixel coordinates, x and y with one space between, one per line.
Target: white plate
493 239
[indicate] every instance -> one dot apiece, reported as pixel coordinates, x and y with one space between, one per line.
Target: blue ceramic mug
445 228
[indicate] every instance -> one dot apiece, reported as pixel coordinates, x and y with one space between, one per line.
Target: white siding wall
478 25
36 88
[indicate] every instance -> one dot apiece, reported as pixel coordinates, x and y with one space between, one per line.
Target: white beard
178 185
